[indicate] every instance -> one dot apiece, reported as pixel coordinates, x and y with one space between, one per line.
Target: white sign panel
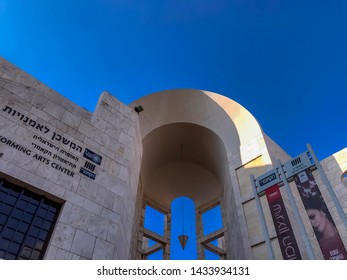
267 180
297 165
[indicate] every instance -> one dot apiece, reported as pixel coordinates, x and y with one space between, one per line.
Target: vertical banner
323 225
285 234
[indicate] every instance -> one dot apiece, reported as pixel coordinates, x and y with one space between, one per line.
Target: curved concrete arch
219 136
235 125
183 159
214 130
198 184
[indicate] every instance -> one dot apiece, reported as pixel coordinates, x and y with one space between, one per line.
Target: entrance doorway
182 162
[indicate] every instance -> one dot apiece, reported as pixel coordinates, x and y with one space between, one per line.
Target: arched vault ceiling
212 128
203 154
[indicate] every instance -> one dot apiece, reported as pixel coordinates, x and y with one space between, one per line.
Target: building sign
285 234
268 183
297 165
50 147
87 173
266 180
92 156
323 225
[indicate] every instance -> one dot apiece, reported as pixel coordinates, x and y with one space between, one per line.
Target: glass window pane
13 223
38 222
25 198
13 248
30 241
4 244
39 244
45 206
10 256
31 208
15 192
26 252
34 231
54 208
11 200
43 234
27 217
6 209
18 237
35 200
46 225
22 214
3 219
22 204
35 255
23 227
2 254
50 216
3 195
41 213
18 214
8 233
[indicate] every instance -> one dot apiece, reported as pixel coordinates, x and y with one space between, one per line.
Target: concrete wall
240 138
91 161
334 167
43 144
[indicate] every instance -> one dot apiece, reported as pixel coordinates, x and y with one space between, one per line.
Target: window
183 223
26 222
212 220
155 222
212 224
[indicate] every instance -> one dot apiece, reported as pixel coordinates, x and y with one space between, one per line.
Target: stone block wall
335 168
88 161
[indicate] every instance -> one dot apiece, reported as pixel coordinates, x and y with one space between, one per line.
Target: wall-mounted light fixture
138 109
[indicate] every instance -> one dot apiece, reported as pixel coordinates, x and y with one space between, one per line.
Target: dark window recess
26 222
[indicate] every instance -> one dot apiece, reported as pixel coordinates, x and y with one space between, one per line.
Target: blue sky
183 224
285 61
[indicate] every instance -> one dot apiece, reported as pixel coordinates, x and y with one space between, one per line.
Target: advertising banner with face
285 234
323 225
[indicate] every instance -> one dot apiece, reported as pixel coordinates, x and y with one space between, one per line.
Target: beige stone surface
223 144
58 131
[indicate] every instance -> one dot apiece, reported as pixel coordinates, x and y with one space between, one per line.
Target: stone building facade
75 184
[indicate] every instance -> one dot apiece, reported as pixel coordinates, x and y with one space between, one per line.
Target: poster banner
323 225
285 234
